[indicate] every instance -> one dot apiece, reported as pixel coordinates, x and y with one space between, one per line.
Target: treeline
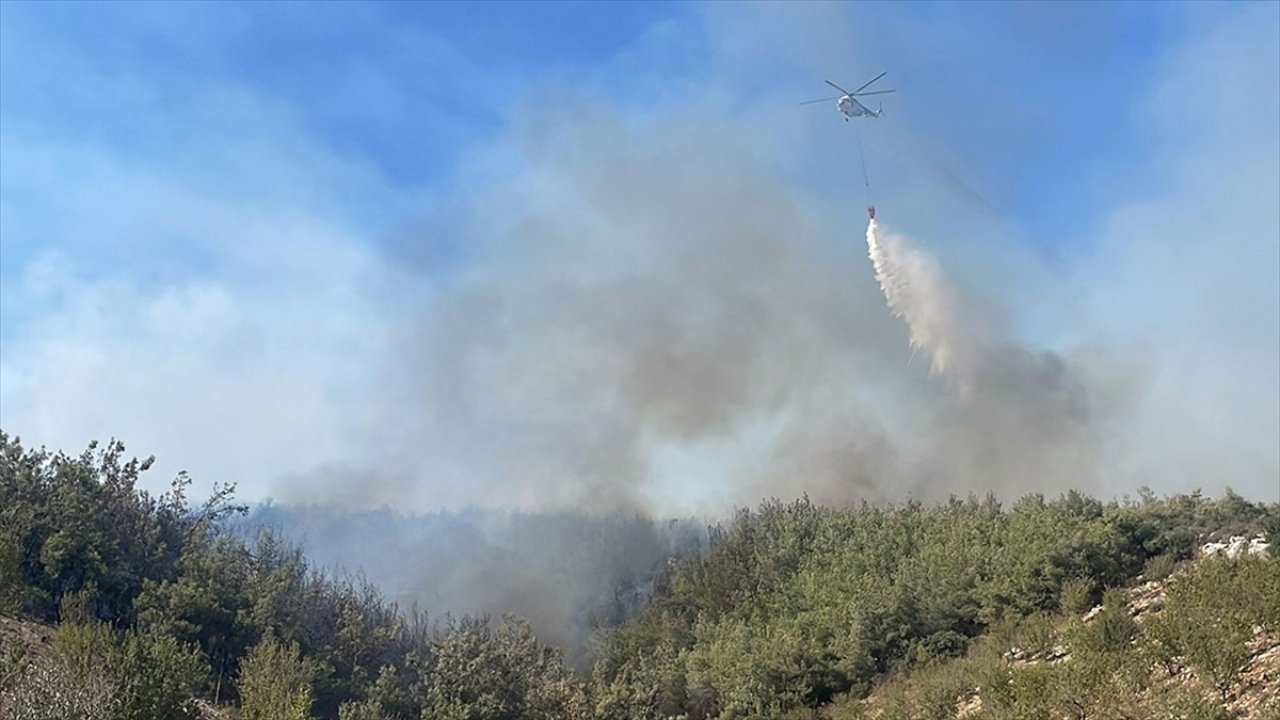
163 611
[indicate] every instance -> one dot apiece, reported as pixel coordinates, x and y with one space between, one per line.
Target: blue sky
220 222
405 89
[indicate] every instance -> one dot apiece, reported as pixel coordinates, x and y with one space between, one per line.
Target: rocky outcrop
1237 546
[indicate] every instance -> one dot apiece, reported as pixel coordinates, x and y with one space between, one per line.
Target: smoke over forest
659 322
566 573
667 327
632 318
600 309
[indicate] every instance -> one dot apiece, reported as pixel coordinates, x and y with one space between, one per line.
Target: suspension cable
866 180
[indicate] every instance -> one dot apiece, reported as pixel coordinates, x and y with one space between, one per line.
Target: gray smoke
1014 413
656 319
567 573
665 325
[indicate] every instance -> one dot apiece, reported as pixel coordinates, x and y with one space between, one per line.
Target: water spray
916 292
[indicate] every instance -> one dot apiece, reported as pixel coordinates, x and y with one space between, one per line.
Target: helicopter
848 103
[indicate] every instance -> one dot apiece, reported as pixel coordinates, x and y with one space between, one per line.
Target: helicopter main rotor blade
846 92
810 102
864 87
874 92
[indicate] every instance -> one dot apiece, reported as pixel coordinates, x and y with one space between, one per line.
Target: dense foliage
1183 663
159 603
161 609
795 603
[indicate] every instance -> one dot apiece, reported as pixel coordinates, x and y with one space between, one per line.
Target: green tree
160 677
479 674
275 683
80 525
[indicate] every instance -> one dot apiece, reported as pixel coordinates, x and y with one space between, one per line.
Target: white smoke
917 292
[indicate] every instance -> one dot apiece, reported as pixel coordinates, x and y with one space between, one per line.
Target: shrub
1111 631
52 686
92 672
1158 567
159 677
275 683
1077 596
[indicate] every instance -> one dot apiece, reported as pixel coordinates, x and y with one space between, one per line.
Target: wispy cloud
1188 277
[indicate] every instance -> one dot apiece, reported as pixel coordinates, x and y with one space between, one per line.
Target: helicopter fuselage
851 108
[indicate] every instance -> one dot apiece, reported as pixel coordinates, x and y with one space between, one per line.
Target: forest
117 604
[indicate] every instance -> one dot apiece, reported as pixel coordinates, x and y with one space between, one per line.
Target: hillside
1202 643
157 608
798 607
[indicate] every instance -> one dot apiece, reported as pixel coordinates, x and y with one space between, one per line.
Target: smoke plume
656 320
1016 412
